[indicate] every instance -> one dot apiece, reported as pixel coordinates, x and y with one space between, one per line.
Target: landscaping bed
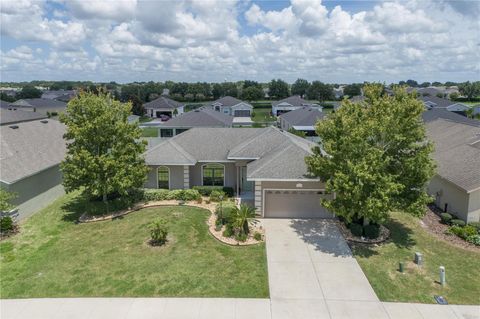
384 234
54 256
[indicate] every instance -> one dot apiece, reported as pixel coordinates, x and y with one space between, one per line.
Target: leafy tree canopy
353 89
300 87
278 89
252 93
29 92
5 200
103 153
470 89
320 91
378 156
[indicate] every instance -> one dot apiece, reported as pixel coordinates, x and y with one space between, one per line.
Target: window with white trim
163 177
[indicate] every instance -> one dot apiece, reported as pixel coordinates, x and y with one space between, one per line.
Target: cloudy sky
332 41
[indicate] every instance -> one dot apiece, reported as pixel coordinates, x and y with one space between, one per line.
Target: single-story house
163 108
60 95
456 187
231 106
11 117
202 117
437 102
4 104
30 156
357 99
265 167
39 105
303 119
289 104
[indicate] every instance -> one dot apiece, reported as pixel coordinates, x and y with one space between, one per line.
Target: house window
181 130
166 132
226 111
163 177
213 175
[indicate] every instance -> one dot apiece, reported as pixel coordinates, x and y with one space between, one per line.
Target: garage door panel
242 113
295 204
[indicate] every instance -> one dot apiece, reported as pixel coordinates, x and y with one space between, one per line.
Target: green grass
263 115
144 119
380 264
149 132
52 256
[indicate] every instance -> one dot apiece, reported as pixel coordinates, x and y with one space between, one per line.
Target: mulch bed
432 223
384 235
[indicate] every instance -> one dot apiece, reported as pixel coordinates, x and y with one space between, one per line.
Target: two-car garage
294 203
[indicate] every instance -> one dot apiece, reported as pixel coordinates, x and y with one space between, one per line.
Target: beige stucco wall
176 177
474 206
34 185
444 192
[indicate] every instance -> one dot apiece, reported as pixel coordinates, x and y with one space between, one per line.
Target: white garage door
295 204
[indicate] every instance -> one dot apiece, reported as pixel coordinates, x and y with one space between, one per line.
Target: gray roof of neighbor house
62 95
4 104
440 102
39 103
357 98
457 152
432 91
435 113
269 148
200 118
163 103
30 147
305 116
227 101
16 116
294 100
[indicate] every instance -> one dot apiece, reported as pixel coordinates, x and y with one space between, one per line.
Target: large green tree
300 87
320 91
252 93
470 89
104 155
353 89
278 89
378 158
29 92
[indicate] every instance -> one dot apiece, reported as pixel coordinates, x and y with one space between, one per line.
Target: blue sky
185 40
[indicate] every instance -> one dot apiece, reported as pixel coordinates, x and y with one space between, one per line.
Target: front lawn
149 132
380 264
53 256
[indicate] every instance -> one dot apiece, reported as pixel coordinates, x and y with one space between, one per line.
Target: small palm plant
241 218
158 232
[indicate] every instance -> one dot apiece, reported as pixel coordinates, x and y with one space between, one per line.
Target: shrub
474 239
458 222
257 236
216 196
240 218
468 231
356 229
476 225
455 230
189 194
371 231
165 194
158 231
156 194
225 210
206 190
446 218
228 232
6 224
241 237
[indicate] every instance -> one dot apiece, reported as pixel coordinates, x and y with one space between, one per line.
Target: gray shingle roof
163 103
305 116
11 116
433 114
200 118
457 152
278 154
438 101
294 100
227 101
4 104
40 103
30 148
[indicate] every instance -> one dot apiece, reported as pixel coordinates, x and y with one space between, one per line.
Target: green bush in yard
474 239
476 225
158 231
458 222
217 196
241 237
468 231
257 236
165 194
6 224
446 218
356 229
207 190
225 211
228 232
371 231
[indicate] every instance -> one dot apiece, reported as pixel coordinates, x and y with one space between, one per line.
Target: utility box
418 259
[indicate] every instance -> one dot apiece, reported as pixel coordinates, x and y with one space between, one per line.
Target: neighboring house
40 105
166 92
4 104
437 102
289 104
357 99
265 166
303 120
202 117
338 92
476 110
12 117
231 106
30 156
163 108
456 187
60 95
133 119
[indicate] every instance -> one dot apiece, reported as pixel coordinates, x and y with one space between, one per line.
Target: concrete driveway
312 273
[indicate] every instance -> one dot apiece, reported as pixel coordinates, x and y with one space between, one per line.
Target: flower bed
347 234
218 234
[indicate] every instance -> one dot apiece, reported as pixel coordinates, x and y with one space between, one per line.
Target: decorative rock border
85 218
384 235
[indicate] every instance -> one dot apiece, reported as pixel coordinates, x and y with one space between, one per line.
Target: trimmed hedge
476 225
226 210
371 231
446 218
207 190
458 222
165 194
356 229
